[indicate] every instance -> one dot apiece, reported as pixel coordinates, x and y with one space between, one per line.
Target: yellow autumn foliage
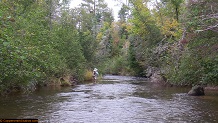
99 36
88 75
171 28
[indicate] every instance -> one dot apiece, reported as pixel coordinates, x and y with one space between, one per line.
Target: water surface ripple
116 99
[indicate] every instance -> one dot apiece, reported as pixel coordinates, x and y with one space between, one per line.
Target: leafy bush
88 75
198 63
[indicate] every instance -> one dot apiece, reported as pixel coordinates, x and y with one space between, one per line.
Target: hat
95 69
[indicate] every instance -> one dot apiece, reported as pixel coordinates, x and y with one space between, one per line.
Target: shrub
88 75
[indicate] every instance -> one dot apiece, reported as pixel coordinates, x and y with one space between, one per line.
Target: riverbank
156 77
211 88
71 81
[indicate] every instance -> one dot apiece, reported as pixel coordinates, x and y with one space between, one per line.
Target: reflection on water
115 99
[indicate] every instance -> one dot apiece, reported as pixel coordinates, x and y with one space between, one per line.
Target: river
115 99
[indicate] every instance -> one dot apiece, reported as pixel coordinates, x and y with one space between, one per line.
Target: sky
114 5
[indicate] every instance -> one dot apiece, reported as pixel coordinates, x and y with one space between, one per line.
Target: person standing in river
95 73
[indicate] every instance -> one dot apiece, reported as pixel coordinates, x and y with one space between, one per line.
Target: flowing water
115 99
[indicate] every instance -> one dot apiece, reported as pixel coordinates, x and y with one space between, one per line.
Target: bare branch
209 28
210 16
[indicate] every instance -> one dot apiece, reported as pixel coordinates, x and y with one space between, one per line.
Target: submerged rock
197 90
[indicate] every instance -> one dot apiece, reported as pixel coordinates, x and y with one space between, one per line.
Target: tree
198 62
90 31
145 34
123 13
25 49
173 6
32 52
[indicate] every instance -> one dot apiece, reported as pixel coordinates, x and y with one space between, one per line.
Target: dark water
118 100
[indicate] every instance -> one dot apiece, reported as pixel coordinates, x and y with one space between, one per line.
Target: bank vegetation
46 42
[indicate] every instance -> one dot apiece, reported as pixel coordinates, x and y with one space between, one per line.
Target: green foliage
201 17
199 63
188 72
112 50
133 62
172 8
33 48
20 64
70 50
117 65
37 43
145 35
123 13
210 68
88 45
144 24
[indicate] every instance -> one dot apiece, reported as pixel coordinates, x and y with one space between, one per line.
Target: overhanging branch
209 28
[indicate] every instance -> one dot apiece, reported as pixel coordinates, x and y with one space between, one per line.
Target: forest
46 42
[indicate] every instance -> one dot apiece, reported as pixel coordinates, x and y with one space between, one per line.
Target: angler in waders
95 74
